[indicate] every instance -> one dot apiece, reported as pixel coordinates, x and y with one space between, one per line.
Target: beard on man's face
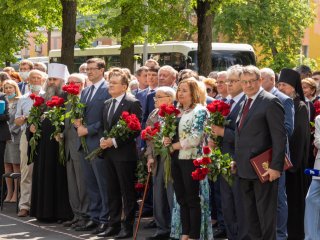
51 91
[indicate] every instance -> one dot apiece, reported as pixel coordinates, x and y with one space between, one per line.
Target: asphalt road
13 227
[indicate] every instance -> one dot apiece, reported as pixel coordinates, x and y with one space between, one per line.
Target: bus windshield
223 59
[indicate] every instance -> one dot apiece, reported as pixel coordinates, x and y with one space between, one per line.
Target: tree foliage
274 26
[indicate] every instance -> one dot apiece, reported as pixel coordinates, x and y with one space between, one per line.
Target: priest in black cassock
49 198
297 183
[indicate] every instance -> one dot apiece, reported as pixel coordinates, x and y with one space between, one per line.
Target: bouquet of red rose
218 111
76 109
149 132
168 113
127 125
56 117
34 118
212 164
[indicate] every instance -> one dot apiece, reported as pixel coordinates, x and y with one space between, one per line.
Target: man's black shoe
151 224
110 231
69 223
88 226
125 233
219 233
101 228
159 237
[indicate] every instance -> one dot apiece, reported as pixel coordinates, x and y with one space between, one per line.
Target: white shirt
96 87
236 99
254 96
24 106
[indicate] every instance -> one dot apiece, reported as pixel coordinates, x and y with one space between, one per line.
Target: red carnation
206 150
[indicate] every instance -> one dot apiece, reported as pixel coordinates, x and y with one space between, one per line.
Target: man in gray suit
78 198
94 171
260 126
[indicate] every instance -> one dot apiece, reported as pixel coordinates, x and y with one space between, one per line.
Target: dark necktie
245 112
23 89
231 103
111 112
90 94
224 99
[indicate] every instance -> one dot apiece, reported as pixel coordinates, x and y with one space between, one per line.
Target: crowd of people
267 110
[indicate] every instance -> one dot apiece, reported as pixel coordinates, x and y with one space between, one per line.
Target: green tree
274 26
125 20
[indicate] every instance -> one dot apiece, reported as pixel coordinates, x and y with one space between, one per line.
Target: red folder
262 162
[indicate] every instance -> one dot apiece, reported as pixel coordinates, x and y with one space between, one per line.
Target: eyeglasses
231 81
159 97
91 69
209 90
245 82
220 82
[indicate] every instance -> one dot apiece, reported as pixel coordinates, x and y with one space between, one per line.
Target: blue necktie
90 94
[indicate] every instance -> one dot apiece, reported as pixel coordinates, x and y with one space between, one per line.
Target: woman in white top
187 146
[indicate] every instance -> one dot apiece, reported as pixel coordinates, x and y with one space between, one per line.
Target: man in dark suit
141 75
260 126
121 156
231 196
78 197
94 172
268 83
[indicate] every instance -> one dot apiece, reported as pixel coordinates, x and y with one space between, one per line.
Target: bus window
175 59
221 60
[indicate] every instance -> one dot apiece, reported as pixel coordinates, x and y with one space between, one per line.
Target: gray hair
222 74
168 91
252 70
234 70
78 76
36 71
169 69
269 72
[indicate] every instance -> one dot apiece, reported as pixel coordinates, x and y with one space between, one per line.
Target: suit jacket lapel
96 95
255 104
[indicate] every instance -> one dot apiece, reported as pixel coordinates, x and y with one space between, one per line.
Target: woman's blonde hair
15 85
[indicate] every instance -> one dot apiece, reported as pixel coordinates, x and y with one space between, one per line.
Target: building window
305 50
38 48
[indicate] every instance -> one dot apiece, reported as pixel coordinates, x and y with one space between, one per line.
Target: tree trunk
69 14
127 53
204 24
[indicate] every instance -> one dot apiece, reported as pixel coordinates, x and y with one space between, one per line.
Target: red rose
32 96
156 125
65 88
38 101
144 135
170 109
125 115
199 174
206 150
139 187
205 160
196 163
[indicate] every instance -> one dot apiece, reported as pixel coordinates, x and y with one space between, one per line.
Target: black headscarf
292 77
